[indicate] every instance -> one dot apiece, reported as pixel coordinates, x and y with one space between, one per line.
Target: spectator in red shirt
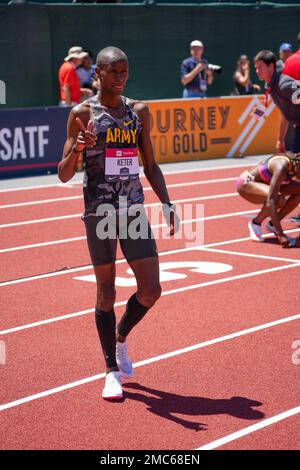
292 64
70 90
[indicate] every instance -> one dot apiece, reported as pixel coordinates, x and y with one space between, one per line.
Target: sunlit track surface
216 365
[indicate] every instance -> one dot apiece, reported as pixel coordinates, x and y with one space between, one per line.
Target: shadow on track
168 405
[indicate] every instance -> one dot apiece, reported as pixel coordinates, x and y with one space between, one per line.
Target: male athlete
110 129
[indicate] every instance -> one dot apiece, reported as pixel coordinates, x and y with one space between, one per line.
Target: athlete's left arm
151 169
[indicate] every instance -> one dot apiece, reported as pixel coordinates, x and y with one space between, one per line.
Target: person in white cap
195 73
70 91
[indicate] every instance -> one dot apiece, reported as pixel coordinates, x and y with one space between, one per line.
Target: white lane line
154 204
73 239
195 183
250 429
249 255
146 188
295 264
39 245
37 186
151 360
122 260
40 201
38 221
164 293
173 172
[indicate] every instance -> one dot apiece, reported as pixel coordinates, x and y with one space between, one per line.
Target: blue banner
31 140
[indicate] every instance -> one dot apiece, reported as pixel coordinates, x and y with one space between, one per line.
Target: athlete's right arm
78 138
67 92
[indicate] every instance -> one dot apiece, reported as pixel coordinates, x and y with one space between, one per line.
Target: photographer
195 73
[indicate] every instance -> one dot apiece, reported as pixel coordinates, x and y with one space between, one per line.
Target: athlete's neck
110 101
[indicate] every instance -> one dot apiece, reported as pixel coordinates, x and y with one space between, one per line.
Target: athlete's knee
150 295
106 295
243 190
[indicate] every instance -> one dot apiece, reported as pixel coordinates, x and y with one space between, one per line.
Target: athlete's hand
174 223
85 137
171 218
245 67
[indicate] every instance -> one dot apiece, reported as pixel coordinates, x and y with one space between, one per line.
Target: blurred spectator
86 70
241 78
86 75
195 74
285 51
70 91
292 64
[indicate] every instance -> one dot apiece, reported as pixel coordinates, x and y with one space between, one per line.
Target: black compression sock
106 326
133 314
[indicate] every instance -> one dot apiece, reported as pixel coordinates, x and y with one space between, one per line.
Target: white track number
170 272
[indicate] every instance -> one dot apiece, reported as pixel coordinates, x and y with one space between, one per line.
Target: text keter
124 162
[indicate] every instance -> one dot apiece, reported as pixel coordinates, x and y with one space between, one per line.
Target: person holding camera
196 74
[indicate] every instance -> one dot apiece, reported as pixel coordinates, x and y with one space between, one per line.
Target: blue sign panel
31 140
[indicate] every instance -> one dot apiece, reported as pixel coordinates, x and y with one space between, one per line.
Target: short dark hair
89 53
268 57
110 54
298 39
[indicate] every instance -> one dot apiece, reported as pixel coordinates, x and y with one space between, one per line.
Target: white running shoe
123 361
255 232
113 387
270 227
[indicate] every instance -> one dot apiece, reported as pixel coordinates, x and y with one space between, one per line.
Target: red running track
237 323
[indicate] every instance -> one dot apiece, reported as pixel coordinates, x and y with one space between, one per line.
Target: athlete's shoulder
281 162
82 110
138 106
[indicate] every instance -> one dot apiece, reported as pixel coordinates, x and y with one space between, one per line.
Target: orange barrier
196 129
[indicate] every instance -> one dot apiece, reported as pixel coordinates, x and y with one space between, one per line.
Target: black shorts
296 140
103 249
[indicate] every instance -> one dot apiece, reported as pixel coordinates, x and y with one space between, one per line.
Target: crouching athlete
272 183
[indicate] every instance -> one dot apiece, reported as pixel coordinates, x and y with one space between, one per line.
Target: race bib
121 164
259 112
